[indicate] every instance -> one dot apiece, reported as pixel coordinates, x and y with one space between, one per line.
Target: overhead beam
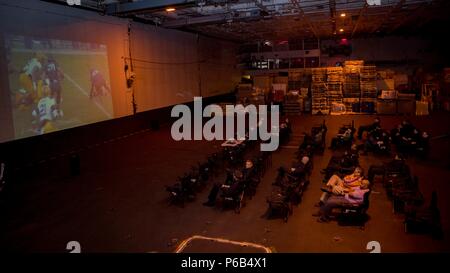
361 12
333 16
261 6
416 12
302 13
388 14
144 5
210 19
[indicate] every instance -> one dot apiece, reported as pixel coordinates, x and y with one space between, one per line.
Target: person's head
354 147
425 135
358 171
305 160
416 131
237 174
376 120
248 164
364 184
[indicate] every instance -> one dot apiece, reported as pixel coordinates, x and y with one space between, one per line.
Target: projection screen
56 84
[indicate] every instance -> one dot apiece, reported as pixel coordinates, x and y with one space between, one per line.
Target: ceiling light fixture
170 9
343 14
341 30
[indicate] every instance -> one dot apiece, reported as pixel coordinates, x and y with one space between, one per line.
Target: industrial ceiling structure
275 20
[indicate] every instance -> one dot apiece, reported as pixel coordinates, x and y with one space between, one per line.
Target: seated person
395 134
232 189
318 140
407 143
342 138
407 129
338 186
423 143
355 196
337 163
299 169
367 128
397 165
285 130
239 181
377 139
286 124
308 140
249 172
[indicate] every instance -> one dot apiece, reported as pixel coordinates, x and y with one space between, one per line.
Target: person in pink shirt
355 196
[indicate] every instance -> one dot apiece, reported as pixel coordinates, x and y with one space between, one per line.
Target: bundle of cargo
386 107
406 104
337 108
368 105
319 92
351 79
368 70
352 105
354 63
319 75
368 85
334 84
351 85
388 94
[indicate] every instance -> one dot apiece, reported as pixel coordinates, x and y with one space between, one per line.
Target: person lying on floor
355 196
230 188
338 186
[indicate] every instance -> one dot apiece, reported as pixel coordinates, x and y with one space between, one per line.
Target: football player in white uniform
46 111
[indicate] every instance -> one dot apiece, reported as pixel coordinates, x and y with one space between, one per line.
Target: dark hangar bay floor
119 202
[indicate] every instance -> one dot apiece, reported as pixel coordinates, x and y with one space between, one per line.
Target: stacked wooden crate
352 90
319 91
368 77
334 84
295 80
